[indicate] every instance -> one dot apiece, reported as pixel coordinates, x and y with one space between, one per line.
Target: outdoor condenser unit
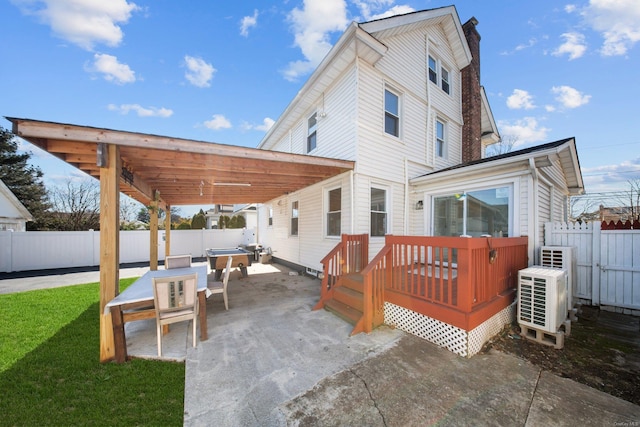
542 298
563 257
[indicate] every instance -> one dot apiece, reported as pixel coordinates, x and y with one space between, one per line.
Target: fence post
595 262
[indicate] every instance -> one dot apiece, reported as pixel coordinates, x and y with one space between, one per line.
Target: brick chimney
471 99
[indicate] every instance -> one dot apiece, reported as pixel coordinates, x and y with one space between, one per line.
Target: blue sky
224 71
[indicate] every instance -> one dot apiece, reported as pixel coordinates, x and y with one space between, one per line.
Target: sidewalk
272 361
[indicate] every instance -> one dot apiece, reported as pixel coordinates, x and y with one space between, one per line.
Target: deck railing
458 280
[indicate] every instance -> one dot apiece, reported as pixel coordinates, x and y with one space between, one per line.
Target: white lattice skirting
457 340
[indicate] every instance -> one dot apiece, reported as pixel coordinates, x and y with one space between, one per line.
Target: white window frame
460 188
386 212
327 193
440 140
397 117
445 81
312 132
433 71
269 216
295 215
437 72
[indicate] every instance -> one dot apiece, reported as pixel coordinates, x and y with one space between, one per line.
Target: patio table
136 303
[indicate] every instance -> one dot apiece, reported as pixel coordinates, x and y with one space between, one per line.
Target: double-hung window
444 80
270 216
391 113
441 134
334 211
378 212
441 78
294 218
312 124
433 70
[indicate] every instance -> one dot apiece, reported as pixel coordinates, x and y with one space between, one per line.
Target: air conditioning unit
542 298
563 257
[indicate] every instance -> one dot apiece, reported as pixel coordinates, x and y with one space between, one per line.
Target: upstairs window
378 212
334 212
440 138
444 73
442 78
433 70
312 123
270 216
391 113
294 218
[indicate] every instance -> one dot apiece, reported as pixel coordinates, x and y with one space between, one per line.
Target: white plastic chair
177 261
175 300
217 287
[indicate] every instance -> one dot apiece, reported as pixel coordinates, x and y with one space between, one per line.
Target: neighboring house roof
563 150
19 211
363 41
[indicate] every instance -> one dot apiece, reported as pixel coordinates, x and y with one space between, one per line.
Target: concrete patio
272 361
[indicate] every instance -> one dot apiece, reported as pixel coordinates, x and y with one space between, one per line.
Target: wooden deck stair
347 301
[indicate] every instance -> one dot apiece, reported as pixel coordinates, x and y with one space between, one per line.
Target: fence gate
608 262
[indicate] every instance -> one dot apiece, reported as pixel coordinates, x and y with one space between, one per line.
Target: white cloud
267 123
199 73
574 45
550 108
84 23
570 97
111 69
395 10
525 131
217 122
570 8
311 27
611 177
618 21
141 111
248 22
520 99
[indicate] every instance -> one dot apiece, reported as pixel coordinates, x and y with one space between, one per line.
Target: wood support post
153 235
167 231
109 246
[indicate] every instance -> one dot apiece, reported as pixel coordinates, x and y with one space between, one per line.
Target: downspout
353 202
406 196
427 137
533 211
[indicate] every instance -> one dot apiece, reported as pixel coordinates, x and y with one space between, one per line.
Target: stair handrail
339 261
374 276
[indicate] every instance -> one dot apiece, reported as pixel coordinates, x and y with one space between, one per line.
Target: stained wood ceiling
185 172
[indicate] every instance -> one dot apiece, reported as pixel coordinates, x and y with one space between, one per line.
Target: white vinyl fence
608 263
40 250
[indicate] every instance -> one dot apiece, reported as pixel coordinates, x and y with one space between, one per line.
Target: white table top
142 289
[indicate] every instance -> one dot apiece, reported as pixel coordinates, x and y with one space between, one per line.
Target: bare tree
582 209
631 201
506 144
75 206
128 209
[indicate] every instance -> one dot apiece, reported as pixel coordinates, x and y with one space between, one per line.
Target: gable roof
363 41
17 205
564 150
446 16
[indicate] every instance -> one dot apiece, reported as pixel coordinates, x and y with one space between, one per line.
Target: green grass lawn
50 373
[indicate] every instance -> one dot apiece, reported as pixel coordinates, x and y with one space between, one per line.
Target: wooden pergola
161 172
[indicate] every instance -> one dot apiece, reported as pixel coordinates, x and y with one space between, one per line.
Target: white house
13 214
401 96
